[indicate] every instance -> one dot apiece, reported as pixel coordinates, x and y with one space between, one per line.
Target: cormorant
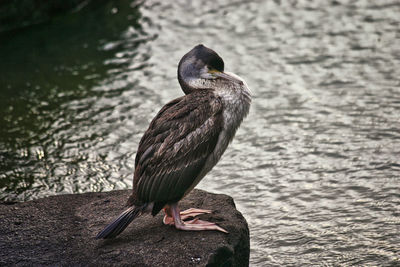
184 142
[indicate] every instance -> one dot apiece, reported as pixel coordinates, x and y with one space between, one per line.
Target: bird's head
203 68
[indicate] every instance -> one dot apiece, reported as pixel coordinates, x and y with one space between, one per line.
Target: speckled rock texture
60 230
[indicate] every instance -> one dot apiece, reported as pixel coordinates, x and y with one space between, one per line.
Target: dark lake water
314 167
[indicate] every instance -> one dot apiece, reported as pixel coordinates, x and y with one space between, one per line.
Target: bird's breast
236 104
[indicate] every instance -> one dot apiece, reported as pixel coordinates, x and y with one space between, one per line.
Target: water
314 167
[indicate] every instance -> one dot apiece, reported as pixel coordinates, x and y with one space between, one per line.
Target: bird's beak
226 76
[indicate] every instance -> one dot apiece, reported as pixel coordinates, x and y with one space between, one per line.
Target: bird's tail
119 224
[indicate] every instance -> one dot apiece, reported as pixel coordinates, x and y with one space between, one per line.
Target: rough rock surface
60 230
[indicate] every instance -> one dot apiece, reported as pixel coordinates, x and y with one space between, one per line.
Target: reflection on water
67 92
315 166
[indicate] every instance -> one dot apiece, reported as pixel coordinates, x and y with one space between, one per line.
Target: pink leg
168 219
173 216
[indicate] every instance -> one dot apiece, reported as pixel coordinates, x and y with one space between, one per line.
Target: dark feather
175 148
119 224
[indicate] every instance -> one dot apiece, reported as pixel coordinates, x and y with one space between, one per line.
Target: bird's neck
185 85
236 99
189 85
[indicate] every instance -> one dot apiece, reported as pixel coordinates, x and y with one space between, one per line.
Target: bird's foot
186 214
192 225
199 225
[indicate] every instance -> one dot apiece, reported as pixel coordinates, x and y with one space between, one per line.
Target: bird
184 141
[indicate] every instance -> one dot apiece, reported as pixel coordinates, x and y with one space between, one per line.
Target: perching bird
184 142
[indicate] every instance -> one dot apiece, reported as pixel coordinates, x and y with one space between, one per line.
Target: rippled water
315 166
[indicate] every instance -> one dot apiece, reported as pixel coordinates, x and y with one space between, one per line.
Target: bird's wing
176 146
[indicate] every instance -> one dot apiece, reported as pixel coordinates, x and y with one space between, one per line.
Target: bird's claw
195 224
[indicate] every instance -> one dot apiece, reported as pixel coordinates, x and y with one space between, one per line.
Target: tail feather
119 224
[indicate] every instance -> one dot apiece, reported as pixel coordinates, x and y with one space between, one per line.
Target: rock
60 230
